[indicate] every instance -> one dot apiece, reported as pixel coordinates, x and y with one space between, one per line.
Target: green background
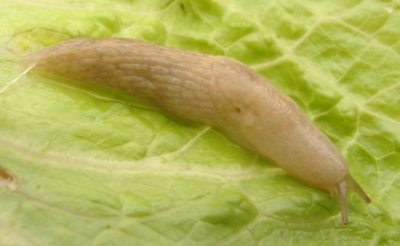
92 167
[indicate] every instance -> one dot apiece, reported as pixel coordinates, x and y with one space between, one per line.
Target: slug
214 90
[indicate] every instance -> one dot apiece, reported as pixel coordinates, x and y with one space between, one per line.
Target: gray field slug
214 90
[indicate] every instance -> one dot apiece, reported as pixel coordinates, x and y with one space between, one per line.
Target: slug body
214 90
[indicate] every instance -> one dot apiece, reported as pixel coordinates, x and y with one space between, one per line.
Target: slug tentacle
341 190
214 90
353 185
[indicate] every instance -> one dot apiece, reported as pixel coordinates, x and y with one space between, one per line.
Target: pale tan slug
214 90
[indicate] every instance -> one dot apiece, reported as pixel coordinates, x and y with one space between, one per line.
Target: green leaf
84 166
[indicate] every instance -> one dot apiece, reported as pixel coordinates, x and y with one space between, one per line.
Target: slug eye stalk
341 191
